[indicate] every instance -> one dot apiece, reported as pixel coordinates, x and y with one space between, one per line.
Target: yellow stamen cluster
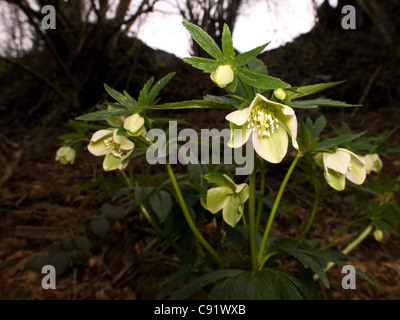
263 120
114 148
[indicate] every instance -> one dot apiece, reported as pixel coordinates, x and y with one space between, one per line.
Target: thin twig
367 89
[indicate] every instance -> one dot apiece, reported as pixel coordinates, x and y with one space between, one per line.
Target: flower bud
134 125
280 94
378 234
66 155
222 76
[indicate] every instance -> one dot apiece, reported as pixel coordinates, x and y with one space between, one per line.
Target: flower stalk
273 212
189 219
252 220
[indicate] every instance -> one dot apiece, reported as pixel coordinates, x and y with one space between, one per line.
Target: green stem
351 246
245 224
269 255
332 242
312 217
157 229
246 89
260 200
274 210
127 180
252 220
189 219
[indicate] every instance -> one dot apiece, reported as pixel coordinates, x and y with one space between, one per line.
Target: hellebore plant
261 110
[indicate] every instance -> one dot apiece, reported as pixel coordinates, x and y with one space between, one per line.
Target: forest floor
39 205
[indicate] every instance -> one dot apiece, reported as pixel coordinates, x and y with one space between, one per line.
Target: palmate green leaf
100 227
333 142
161 203
111 212
155 90
144 93
334 256
267 284
191 104
316 127
197 171
173 281
105 114
205 64
309 262
223 100
202 281
300 92
227 45
258 66
204 41
122 99
245 57
307 104
259 80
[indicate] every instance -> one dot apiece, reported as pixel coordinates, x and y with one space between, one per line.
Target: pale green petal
111 162
101 134
335 179
372 162
273 148
232 211
239 135
96 145
319 159
357 172
97 148
217 198
134 124
124 163
70 156
239 117
338 161
286 116
229 182
243 191
124 142
61 152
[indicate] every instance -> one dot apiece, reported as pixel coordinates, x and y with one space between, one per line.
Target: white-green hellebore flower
115 147
372 162
222 76
342 165
227 196
134 125
66 155
270 123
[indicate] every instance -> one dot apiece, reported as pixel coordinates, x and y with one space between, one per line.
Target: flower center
114 148
263 120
